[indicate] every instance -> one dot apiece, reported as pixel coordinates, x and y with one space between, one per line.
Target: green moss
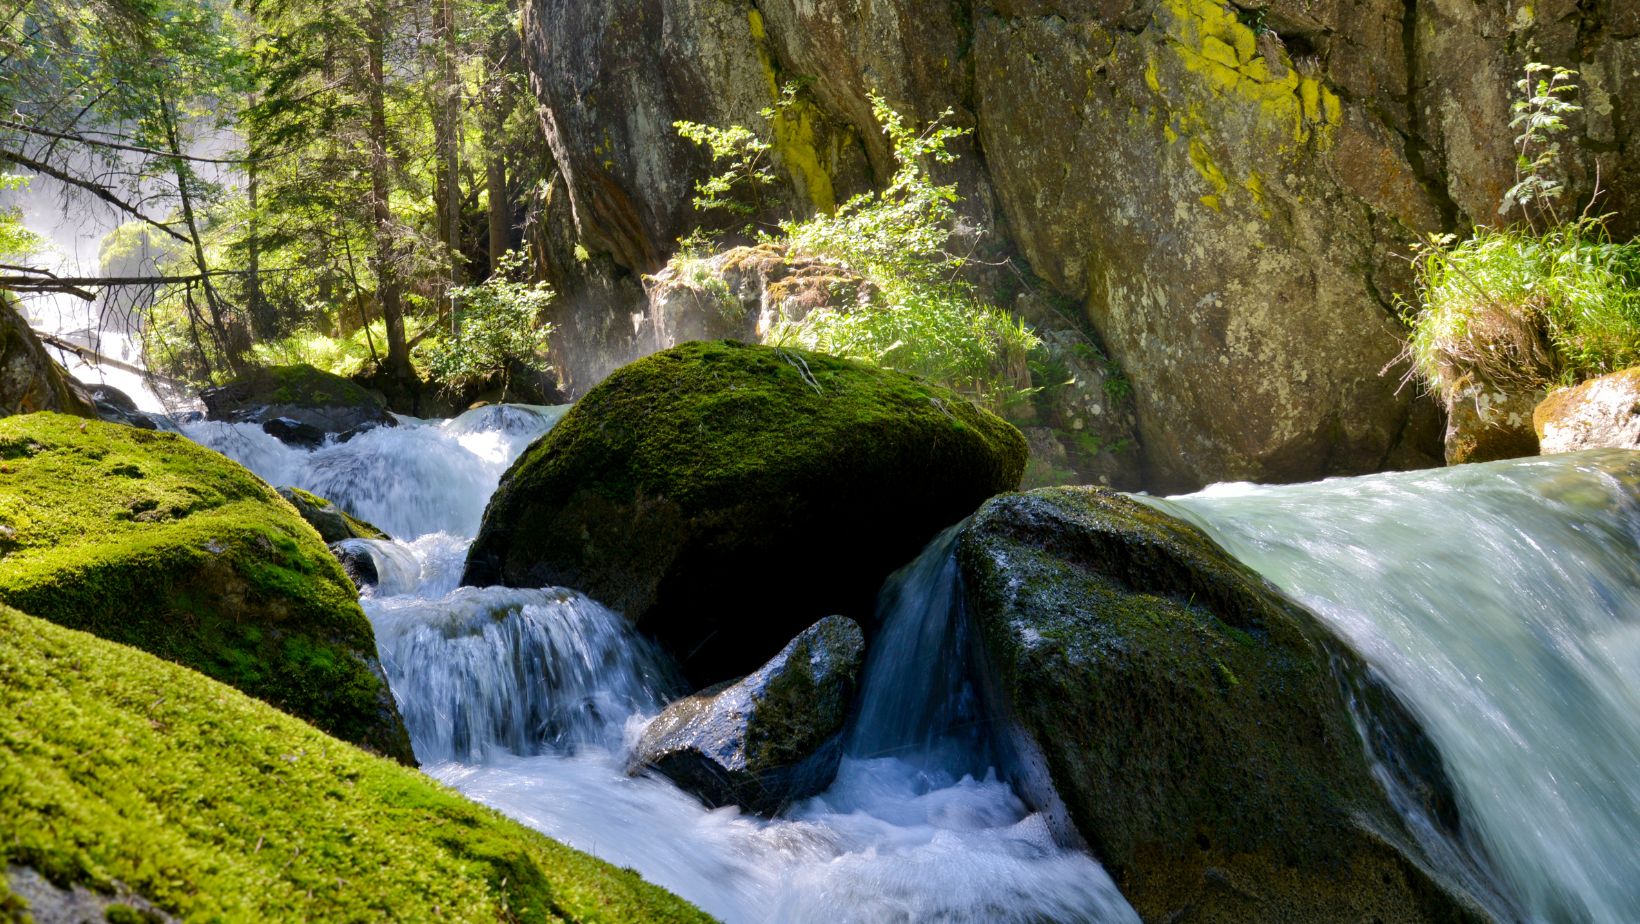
318 510
148 539
115 766
305 386
778 472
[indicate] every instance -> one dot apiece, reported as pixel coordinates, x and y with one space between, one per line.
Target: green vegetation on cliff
151 540
1549 300
118 767
924 317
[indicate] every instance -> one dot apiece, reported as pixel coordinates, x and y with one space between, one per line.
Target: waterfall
412 480
1502 602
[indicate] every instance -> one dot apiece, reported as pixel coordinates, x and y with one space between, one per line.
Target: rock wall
1227 191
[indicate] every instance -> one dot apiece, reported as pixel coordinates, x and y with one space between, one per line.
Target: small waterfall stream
529 701
1502 601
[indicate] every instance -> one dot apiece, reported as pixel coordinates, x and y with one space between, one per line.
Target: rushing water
412 480
1502 601
530 701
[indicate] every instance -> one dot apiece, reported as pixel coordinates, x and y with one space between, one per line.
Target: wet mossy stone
332 523
769 739
294 402
151 540
30 379
1196 724
726 496
162 789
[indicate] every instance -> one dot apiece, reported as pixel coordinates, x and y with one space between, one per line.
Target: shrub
1520 310
498 327
1544 302
924 319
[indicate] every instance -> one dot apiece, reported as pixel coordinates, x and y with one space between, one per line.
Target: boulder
149 539
30 380
332 523
1486 424
693 488
295 403
116 406
1196 724
773 737
745 292
174 797
1602 413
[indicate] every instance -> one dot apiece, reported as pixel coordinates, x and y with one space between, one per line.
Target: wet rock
116 406
298 401
1602 413
1486 424
331 522
296 433
1197 725
694 486
357 561
769 739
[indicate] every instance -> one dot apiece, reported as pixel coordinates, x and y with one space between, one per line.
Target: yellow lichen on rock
1213 44
792 125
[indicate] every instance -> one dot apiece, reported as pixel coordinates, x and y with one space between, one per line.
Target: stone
299 401
151 540
1194 727
331 522
770 739
694 486
1486 424
30 380
1602 413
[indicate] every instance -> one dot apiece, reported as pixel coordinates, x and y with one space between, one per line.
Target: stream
529 701
1507 617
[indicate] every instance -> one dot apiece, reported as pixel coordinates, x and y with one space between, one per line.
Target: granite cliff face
1223 189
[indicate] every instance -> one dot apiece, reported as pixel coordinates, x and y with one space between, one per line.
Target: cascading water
418 478
530 700
1502 602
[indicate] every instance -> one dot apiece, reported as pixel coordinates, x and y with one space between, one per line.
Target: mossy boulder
1602 413
164 790
332 523
30 380
771 738
294 403
149 539
725 497
1196 724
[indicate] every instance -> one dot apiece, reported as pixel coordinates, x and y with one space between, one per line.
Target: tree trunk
231 350
388 293
495 178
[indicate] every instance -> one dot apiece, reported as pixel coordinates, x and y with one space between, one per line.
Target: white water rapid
1502 602
529 701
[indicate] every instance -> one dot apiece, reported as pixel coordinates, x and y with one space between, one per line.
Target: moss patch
332 522
148 539
728 496
115 766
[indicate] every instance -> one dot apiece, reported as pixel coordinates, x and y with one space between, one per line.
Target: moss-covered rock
773 737
151 540
332 523
30 380
1196 724
725 497
150 783
293 402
